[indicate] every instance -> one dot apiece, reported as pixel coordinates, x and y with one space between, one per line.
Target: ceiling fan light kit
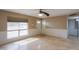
40 14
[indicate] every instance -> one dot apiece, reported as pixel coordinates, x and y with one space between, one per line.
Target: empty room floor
42 42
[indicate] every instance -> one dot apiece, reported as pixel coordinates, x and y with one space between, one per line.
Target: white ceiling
52 12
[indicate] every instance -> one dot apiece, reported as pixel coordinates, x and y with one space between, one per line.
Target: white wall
62 33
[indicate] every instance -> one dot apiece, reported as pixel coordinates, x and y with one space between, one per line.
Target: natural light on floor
27 41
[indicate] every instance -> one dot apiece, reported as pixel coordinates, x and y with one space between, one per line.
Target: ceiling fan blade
44 12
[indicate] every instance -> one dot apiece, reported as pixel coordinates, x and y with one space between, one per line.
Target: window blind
13 19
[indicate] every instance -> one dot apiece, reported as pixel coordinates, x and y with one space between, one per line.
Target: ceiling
52 12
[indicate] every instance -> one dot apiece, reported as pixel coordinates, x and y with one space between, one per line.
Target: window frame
17 30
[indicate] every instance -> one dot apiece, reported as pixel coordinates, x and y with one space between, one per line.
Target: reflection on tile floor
42 43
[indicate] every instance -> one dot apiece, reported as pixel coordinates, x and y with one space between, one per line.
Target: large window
16 29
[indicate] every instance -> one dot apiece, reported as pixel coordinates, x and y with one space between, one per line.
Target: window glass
12 34
23 32
23 25
12 26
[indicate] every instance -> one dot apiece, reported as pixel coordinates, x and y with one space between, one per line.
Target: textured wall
3 23
57 22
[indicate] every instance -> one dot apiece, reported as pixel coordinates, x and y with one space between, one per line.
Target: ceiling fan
41 12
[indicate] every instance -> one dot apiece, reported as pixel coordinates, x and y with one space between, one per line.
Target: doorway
73 28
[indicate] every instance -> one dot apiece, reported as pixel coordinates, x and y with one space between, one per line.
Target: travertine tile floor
42 43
